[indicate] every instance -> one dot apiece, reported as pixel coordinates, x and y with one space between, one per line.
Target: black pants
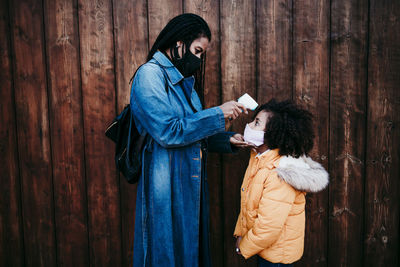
264 263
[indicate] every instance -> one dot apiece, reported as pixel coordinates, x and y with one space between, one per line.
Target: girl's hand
238 141
238 239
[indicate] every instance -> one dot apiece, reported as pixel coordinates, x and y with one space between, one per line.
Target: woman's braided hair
290 128
185 27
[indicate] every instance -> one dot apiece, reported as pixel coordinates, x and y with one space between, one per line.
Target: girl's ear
179 43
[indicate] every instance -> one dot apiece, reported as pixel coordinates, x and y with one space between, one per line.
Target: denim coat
173 188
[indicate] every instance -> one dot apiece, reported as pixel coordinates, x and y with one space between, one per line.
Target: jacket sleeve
220 143
151 107
275 204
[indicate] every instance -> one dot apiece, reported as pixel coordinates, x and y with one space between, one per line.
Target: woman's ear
179 44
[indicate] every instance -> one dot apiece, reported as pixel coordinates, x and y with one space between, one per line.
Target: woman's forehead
201 41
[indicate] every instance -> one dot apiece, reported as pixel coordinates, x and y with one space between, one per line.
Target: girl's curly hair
290 128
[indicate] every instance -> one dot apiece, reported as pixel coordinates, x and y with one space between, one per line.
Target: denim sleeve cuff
220 143
220 117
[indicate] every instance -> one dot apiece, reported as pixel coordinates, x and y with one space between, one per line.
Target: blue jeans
264 263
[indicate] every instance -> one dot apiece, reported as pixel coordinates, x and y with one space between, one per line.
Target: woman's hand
232 109
238 239
238 141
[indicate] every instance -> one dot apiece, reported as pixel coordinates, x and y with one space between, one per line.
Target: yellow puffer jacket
272 214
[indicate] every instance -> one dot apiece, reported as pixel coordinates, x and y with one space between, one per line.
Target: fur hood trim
303 173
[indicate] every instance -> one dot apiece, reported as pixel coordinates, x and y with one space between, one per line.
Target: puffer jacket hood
303 173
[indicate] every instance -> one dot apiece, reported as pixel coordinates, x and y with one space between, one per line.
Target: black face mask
188 64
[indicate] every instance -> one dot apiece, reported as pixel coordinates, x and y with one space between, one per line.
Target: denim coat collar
173 73
176 77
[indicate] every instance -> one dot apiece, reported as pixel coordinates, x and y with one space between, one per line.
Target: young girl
271 222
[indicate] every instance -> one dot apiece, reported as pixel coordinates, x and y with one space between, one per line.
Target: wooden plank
381 239
33 133
209 11
98 91
274 50
311 91
347 130
238 70
159 13
131 42
11 235
62 46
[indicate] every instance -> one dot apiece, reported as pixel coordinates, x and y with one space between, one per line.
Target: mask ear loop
184 51
175 52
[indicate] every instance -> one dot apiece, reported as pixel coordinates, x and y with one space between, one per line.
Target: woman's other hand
238 141
238 239
232 109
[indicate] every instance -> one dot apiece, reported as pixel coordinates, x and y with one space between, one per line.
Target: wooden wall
65 71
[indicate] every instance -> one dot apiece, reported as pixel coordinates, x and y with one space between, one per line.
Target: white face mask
253 136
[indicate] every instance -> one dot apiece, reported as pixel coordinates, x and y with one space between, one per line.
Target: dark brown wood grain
311 91
11 235
347 130
238 69
99 100
33 133
381 237
65 72
274 50
159 13
65 112
209 11
131 48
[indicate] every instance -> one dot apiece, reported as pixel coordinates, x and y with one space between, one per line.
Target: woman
171 227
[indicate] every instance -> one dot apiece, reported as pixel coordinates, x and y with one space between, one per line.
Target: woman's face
260 121
198 46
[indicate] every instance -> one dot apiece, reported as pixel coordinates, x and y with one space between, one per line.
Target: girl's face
260 121
198 46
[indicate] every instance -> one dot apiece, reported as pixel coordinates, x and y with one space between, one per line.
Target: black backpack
128 145
129 142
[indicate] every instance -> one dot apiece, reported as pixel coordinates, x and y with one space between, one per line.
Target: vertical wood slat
238 68
11 235
381 238
33 132
65 100
98 91
209 11
131 47
274 51
159 13
347 130
311 90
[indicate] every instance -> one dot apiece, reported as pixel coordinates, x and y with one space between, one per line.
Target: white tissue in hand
248 102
